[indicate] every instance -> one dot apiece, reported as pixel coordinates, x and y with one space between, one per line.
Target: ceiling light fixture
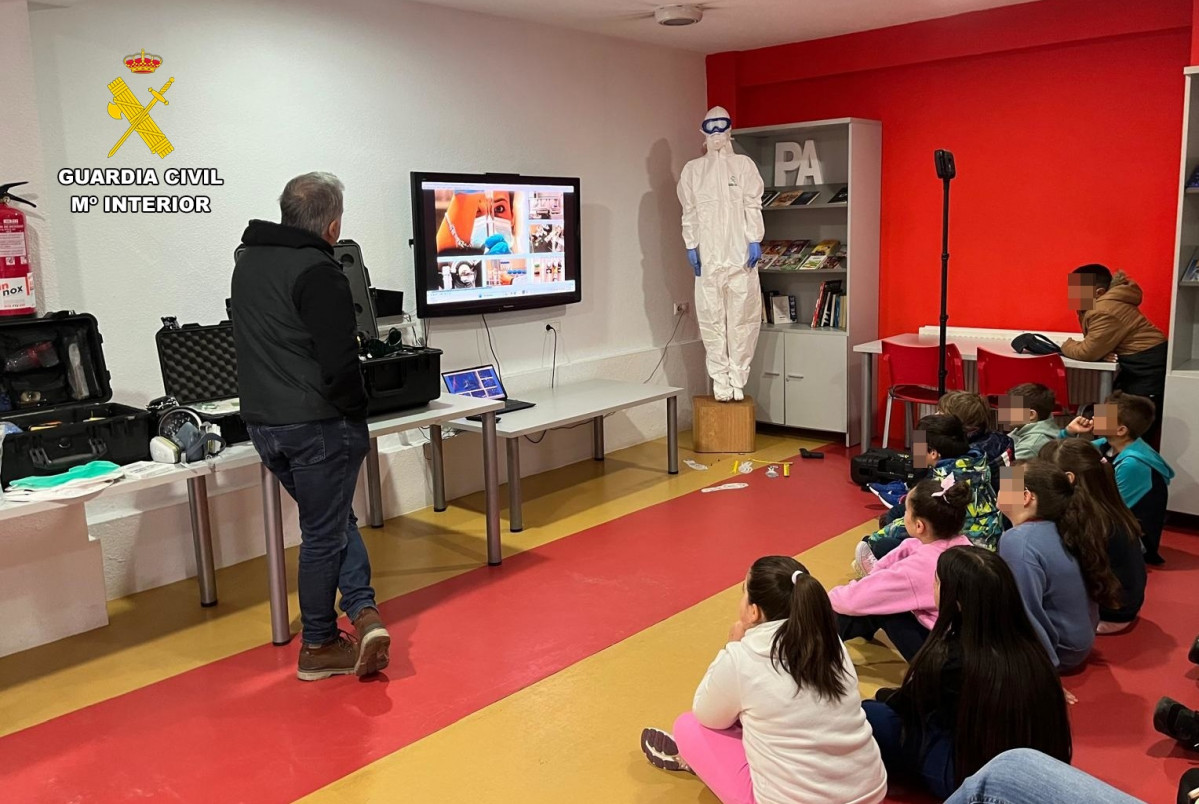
678 15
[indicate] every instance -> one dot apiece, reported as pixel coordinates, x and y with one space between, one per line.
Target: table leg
867 401
597 438
438 467
491 490
374 488
516 520
272 514
197 503
672 435
1105 385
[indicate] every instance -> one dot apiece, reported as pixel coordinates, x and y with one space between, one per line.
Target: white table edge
665 392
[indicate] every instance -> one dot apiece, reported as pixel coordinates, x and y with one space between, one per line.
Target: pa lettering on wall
799 160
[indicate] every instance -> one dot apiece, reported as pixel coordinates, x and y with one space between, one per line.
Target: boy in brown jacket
1113 324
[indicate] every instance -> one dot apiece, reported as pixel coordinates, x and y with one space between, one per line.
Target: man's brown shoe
336 658
373 642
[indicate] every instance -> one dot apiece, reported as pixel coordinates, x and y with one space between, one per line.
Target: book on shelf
826 304
1191 273
841 196
819 256
768 196
836 260
785 199
1193 181
771 251
768 305
781 309
805 198
793 255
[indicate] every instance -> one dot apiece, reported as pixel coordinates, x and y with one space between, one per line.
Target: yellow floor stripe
573 737
164 632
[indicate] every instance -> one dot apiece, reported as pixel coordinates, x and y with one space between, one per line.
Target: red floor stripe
243 729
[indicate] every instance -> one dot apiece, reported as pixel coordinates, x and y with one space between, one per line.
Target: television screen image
487 243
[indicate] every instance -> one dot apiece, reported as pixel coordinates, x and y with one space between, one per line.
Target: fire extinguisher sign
16 293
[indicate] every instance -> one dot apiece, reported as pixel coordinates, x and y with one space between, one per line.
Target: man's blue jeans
1025 776
318 463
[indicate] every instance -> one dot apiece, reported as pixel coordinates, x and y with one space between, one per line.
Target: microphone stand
946 171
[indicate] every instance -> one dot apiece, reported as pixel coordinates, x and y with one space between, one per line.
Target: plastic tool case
199 369
55 387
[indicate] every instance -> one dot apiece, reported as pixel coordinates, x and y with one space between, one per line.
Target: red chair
998 373
913 373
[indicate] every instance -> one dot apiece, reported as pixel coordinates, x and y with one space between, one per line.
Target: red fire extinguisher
16 274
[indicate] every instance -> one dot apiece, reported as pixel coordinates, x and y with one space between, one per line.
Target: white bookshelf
1180 416
802 376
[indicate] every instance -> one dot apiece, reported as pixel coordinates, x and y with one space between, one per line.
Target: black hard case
407 379
199 365
91 428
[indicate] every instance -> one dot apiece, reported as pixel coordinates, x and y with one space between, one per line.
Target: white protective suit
721 194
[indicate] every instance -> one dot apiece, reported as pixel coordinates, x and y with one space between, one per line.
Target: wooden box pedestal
722 426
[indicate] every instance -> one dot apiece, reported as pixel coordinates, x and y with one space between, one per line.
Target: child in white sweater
778 718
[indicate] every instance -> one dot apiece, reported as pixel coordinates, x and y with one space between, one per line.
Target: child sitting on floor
1107 515
897 596
995 446
940 445
1030 408
1142 475
778 716
1059 561
981 685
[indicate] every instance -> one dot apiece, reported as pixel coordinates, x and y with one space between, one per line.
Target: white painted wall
368 89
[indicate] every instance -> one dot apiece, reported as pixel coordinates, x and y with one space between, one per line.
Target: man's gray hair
311 202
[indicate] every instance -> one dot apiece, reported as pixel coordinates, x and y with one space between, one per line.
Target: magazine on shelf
841 196
771 251
1191 273
785 199
768 196
793 256
819 256
805 198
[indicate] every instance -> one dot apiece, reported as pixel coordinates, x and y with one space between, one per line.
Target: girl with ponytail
1063 574
897 596
777 718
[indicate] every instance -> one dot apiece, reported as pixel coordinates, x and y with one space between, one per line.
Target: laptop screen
480 381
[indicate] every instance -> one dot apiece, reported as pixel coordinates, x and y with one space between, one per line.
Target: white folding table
968 340
570 404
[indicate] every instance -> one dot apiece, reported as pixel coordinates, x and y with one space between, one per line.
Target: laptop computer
483 382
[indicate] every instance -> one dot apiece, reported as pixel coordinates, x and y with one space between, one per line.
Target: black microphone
946 169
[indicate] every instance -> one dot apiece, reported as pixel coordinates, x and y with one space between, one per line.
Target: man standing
721 194
305 407
1109 311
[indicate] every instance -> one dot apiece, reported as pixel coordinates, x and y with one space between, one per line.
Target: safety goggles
716 125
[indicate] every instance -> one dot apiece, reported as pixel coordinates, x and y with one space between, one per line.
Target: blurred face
1107 424
922 455
1082 292
1014 499
1013 412
748 613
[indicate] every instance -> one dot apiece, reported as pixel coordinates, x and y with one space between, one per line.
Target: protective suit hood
718 141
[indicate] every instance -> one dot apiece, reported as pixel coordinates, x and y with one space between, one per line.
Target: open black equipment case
55 386
199 369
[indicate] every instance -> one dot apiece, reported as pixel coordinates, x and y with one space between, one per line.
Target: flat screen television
487 243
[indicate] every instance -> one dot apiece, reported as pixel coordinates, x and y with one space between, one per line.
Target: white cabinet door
1180 441
766 378
815 374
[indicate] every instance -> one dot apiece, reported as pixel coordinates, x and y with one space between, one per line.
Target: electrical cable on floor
499 370
662 359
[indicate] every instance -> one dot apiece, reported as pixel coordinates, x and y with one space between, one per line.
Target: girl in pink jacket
897 595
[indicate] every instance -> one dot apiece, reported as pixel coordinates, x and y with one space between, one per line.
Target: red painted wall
1067 152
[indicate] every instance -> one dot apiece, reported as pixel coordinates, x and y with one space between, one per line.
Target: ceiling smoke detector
678 15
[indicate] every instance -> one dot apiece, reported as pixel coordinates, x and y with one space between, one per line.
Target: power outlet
682 308
555 325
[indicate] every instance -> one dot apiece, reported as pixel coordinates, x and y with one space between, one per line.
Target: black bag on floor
55 387
879 465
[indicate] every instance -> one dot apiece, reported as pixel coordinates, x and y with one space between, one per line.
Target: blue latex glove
693 258
755 254
496 244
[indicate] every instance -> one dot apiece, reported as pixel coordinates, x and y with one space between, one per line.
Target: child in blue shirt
1142 475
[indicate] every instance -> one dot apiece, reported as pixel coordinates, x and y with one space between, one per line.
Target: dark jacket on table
294 329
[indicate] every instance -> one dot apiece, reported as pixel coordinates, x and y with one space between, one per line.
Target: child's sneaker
890 493
662 751
863 559
1175 720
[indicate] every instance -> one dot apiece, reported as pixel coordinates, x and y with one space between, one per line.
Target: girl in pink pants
777 718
